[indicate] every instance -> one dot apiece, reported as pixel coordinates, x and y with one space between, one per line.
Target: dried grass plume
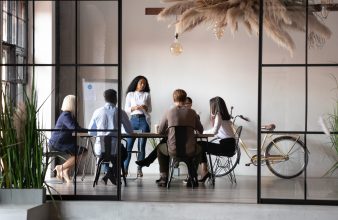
280 17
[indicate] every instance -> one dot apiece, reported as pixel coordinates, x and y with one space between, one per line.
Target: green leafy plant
333 126
21 144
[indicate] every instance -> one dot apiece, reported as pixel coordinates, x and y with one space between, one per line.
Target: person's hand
139 107
145 107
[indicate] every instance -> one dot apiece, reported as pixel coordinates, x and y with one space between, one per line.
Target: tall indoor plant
21 144
332 125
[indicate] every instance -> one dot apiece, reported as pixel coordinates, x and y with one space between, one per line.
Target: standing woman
63 140
222 129
138 105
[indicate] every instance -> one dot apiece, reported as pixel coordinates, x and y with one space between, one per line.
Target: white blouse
222 128
138 98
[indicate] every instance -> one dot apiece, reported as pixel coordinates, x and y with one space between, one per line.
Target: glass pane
323 158
21 9
325 40
323 89
52 110
21 33
282 42
21 70
67 32
4 61
13 7
43 32
284 155
97 36
283 98
45 95
92 82
5 6
14 29
322 168
4 27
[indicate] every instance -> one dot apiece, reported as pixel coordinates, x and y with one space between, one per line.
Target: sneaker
163 182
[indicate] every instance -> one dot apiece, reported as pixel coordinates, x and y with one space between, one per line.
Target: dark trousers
226 147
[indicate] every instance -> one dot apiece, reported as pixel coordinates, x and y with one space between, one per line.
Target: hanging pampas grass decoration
280 16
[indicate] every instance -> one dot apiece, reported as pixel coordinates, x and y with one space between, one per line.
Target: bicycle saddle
269 127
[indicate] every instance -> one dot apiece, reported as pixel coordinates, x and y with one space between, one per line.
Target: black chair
222 165
190 159
107 156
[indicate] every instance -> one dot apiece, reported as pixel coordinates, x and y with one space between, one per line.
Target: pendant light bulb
176 47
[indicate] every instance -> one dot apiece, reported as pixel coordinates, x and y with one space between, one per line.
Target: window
13 46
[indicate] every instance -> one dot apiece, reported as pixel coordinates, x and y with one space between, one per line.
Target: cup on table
156 127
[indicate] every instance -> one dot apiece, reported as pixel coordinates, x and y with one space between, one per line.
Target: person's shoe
194 184
163 182
110 175
104 180
204 178
143 163
185 181
139 173
156 181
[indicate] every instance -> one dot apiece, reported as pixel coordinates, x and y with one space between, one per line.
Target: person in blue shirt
63 139
106 117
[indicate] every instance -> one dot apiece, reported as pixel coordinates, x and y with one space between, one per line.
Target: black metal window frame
14 51
306 65
78 65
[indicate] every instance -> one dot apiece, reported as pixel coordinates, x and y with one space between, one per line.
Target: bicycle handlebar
244 118
240 116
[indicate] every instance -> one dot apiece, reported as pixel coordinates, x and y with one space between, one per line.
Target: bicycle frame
284 155
253 157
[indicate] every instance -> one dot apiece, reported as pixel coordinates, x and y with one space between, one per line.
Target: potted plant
22 165
330 123
333 126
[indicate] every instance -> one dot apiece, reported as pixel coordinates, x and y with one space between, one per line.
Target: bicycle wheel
286 157
223 165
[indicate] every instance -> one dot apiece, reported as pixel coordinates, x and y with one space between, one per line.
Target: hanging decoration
280 17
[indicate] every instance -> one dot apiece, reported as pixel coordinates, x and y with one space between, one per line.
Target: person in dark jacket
63 139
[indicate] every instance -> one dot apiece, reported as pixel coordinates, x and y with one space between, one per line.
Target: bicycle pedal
247 164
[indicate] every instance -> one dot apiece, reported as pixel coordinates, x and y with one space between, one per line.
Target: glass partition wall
298 93
70 47
86 61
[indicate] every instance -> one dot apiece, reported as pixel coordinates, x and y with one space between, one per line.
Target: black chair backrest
107 143
182 134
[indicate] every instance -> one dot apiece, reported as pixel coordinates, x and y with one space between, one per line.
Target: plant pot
22 196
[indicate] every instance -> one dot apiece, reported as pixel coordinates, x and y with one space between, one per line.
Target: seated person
176 116
153 155
63 140
106 118
222 128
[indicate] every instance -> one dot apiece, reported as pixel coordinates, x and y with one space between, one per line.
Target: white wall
228 68
208 67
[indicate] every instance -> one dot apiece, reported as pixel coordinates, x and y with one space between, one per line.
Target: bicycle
284 155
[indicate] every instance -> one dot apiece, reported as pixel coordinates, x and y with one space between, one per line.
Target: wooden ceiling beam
153 11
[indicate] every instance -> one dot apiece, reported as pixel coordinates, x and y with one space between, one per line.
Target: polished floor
244 191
